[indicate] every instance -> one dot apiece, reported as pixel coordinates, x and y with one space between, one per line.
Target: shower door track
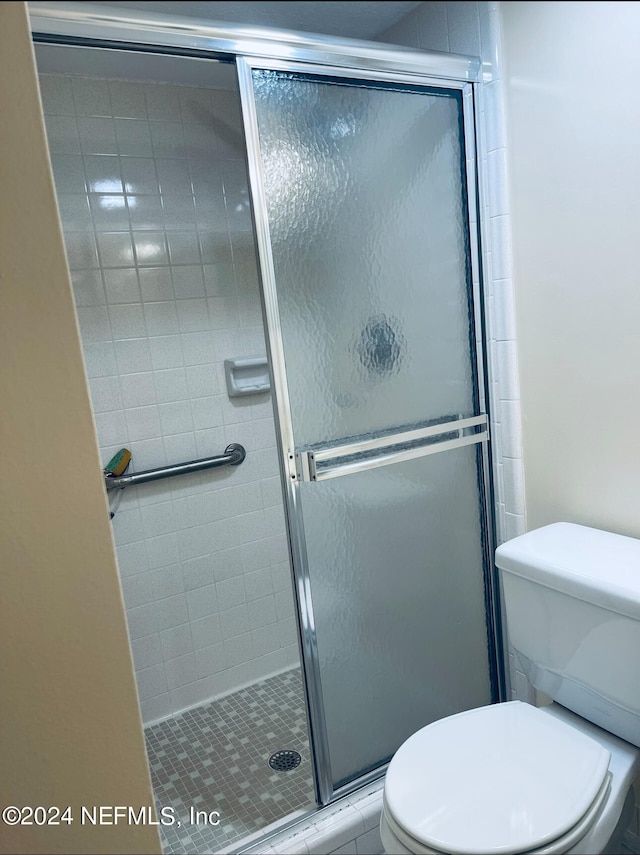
91 26
98 27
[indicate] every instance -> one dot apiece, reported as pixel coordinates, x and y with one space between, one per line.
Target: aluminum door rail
233 455
107 25
309 464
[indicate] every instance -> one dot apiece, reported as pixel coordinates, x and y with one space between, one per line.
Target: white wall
574 172
152 189
71 732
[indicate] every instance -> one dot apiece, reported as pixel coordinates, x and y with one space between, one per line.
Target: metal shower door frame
295 467
119 29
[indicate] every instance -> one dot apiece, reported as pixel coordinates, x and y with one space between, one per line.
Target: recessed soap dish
248 375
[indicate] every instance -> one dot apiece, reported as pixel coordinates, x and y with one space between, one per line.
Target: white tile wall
153 196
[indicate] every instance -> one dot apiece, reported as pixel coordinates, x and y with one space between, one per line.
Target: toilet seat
500 779
563 844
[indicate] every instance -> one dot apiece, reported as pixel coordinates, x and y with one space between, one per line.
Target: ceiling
359 20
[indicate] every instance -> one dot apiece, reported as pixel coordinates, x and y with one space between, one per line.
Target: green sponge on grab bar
118 463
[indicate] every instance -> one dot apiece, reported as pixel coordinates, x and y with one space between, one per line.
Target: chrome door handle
319 464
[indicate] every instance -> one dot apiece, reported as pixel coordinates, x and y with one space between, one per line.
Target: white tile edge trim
504 385
328 828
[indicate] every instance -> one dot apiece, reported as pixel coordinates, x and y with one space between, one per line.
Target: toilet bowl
513 778
509 778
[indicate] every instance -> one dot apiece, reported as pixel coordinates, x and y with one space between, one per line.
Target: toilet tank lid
596 566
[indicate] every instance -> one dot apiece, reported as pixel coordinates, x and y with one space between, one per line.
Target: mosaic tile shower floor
215 758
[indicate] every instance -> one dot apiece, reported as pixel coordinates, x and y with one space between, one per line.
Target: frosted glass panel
395 558
364 186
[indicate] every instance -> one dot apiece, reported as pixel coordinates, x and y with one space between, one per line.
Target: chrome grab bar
233 455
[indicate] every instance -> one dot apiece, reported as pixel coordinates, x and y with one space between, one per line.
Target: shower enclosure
363 234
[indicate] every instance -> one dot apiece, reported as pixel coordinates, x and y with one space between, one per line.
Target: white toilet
513 778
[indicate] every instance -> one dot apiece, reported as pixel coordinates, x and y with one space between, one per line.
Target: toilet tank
572 601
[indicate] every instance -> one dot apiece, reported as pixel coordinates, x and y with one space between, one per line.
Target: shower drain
285 761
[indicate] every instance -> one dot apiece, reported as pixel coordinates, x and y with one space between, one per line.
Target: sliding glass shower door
361 188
